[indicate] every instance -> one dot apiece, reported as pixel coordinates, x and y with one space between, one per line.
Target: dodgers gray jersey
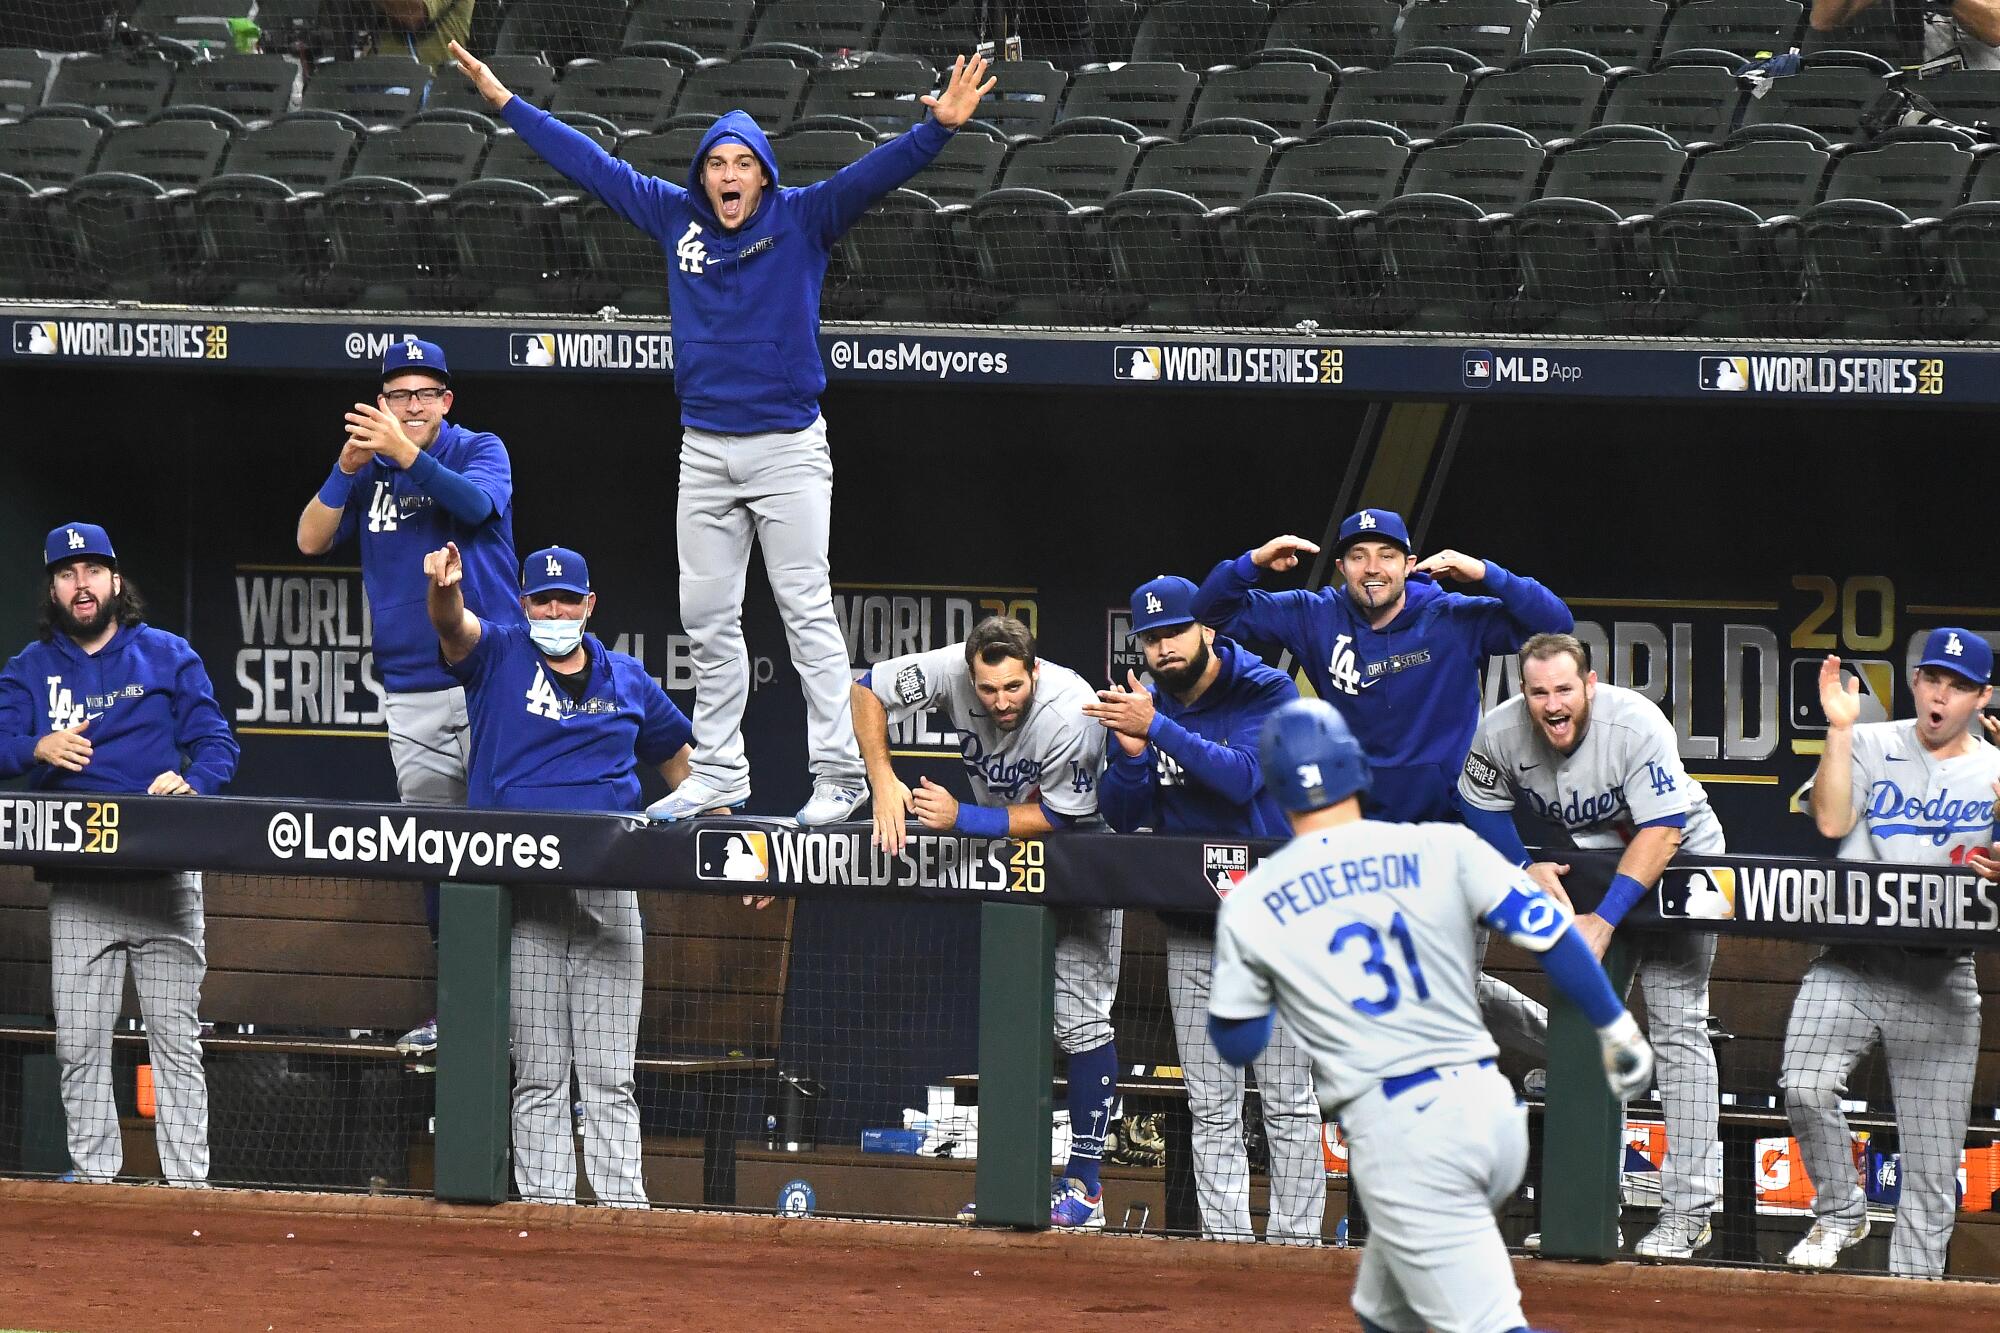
1056 755
1364 937
1626 771
1913 806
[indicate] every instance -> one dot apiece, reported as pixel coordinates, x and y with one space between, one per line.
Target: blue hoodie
1410 690
1199 772
147 698
745 303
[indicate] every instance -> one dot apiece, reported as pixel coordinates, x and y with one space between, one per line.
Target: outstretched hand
484 80
962 91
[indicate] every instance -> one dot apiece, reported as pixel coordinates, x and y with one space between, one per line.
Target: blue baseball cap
1163 600
415 354
555 569
1959 650
72 541
1373 525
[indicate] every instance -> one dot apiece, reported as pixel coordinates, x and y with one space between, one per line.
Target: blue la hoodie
1410 690
147 698
745 303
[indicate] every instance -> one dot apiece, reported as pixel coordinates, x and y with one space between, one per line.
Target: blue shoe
1072 1209
695 797
419 1040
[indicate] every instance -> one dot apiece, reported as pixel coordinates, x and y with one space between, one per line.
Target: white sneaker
695 797
1822 1246
1675 1238
831 802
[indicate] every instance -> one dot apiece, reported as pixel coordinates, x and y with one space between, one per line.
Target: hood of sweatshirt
731 125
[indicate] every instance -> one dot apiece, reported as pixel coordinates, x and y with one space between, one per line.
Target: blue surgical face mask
556 638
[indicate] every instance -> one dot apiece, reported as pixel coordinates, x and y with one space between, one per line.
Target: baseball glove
1136 1141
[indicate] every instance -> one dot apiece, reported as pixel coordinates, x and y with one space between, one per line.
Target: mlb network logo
1120 654
1725 374
1698 895
532 349
35 337
1224 864
1478 370
1136 363
731 856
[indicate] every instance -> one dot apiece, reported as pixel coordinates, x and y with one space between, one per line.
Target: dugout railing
479 854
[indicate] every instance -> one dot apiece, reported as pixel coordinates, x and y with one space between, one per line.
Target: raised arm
1833 805
1230 600
457 628
319 523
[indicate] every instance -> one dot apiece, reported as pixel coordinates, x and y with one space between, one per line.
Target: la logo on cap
1309 775
413 352
1153 605
1367 519
75 539
1954 647
554 567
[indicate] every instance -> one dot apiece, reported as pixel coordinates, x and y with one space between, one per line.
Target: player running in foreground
1362 934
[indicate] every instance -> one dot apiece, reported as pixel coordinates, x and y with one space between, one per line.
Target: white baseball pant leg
430 743
1673 977
96 927
775 487
1931 1038
1215 1104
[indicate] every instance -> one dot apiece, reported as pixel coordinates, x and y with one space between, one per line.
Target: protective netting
1589 166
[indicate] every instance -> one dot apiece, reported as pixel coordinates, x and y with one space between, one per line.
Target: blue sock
1093 1091
431 889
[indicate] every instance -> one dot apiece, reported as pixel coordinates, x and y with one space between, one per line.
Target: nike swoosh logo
1526 767
1893 758
1427 1106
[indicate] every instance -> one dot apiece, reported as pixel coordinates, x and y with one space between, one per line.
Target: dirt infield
86 1258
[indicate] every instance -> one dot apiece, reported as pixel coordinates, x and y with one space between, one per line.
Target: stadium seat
203 24
1618 32
632 92
128 91
1489 31
1114 25
560 31
259 233
131 238
1969 242
434 156
38 156
378 91
1968 96
1288 97
1746 28
1726 249
1344 32
526 76
667 154
1866 271
770 90
820 26
49 150
1167 261
1578 243
1446 260
509 249
1152 99
25 269
967 168
1303 259
1200 34
388 249
623 266
24 77
808 156
1549 101
882 93
255 89
1039 253
1827 96
932 32
304 153
1693 104
1026 99
715 29
890 264
510 157
1419 98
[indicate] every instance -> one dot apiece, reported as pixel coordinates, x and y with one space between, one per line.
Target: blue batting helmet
1311 760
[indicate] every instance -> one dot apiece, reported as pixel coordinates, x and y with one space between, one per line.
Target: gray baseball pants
1215 1102
1924 1009
774 488
430 743
97 927
576 973
1672 972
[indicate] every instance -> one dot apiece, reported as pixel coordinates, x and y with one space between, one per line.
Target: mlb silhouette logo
1120 656
1478 371
732 855
1725 374
532 349
1136 363
35 337
1224 865
1698 895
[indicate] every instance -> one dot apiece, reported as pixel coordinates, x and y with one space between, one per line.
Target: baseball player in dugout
560 722
1401 658
1601 763
103 702
1184 760
1033 760
1921 792
1361 935
745 262
407 481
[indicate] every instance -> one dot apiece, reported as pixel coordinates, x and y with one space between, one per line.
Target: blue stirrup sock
1093 1091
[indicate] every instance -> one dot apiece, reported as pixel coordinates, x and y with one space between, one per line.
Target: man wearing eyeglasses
407 482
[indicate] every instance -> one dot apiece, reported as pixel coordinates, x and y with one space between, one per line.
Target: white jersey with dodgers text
1055 755
1914 807
1626 771
1364 938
